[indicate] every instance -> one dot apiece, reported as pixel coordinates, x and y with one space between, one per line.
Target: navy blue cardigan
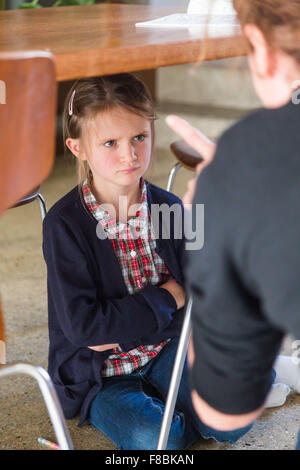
88 302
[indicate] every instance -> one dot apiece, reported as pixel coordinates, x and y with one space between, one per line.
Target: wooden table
102 39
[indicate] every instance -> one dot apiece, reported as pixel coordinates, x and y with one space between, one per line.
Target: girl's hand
104 347
176 291
199 142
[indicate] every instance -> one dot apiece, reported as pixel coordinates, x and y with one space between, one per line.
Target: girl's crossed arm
173 288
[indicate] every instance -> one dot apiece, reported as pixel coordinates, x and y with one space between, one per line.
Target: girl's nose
128 154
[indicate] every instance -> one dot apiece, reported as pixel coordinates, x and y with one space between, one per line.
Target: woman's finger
192 136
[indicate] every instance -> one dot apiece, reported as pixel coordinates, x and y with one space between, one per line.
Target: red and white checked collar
108 223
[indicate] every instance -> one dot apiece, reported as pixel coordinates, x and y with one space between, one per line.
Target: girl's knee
141 437
224 436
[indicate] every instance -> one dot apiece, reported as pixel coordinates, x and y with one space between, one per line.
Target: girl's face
117 145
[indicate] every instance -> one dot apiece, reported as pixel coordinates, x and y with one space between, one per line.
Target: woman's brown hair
279 21
89 96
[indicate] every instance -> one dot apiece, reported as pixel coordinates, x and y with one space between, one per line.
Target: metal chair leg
172 176
42 204
175 378
49 394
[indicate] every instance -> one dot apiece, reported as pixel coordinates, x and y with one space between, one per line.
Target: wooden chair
27 140
186 157
2 338
27 125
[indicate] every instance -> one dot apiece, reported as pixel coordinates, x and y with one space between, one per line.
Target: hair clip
71 103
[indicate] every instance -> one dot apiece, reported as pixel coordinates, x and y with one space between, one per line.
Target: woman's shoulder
261 139
263 125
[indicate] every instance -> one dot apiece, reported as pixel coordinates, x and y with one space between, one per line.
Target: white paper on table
213 7
201 14
184 20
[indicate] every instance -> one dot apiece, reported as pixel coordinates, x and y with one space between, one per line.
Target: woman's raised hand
199 142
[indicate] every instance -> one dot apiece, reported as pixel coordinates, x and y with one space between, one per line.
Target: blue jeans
298 442
129 408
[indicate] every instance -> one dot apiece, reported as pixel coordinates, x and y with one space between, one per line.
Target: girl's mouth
129 170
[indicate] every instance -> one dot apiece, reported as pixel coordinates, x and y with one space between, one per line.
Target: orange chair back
27 130
2 337
27 123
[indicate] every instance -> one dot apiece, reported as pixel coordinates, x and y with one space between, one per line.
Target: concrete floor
23 290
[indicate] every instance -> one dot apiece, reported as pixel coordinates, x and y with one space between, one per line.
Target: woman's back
250 263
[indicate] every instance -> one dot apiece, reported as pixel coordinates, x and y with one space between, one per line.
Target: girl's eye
110 143
140 138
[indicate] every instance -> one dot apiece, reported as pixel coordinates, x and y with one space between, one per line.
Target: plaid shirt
134 245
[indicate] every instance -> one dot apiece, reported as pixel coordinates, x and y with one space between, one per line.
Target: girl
115 284
251 191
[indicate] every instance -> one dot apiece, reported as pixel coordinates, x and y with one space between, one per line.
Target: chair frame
175 378
34 195
50 397
172 176
26 69
42 204
189 159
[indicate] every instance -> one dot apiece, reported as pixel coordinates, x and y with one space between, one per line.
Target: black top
88 301
245 282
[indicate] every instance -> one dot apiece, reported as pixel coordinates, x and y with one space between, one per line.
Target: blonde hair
89 96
